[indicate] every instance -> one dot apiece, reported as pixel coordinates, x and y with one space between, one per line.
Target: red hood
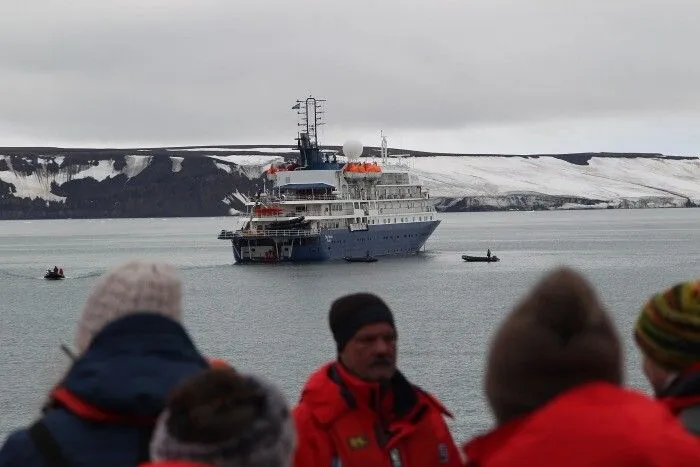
595 424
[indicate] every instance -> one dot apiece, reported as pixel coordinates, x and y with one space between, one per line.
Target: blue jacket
129 369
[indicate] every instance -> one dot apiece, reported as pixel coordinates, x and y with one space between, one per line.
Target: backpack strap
47 445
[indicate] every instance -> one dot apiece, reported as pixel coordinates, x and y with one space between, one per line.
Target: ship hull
336 244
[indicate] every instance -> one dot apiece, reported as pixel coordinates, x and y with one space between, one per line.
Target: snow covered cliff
54 182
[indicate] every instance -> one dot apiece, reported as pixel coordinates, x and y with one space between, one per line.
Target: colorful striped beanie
668 329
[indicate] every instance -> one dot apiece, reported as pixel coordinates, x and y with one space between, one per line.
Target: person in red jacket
667 334
360 411
553 383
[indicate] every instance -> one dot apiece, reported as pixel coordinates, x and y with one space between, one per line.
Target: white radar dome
352 150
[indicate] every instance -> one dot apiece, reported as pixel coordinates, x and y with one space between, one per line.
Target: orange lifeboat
362 170
280 168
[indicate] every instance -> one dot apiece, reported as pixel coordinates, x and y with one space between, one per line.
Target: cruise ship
321 208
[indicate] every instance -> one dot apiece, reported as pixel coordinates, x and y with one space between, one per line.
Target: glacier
503 182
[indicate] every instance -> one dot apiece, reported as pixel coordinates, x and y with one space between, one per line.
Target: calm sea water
271 319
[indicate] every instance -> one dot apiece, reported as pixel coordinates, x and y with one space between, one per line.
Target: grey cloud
216 71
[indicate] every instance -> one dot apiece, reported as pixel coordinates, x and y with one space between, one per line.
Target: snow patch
603 178
584 206
135 165
37 185
249 159
224 167
262 149
100 172
177 163
240 197
251 165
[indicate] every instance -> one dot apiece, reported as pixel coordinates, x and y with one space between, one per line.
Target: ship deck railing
272 233
288 197
343 197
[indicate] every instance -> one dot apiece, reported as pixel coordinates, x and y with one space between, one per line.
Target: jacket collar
132 364
683 391
62 397
394 398
687 383
481 448
333 391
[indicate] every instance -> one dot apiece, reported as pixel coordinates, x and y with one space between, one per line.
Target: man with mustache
360 411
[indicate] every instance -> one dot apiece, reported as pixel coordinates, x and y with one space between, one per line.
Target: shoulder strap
345 393
47 445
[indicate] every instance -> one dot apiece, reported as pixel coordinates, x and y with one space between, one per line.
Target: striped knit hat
668 329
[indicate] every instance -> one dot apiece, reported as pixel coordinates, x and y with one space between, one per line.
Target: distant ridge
578 158
212 180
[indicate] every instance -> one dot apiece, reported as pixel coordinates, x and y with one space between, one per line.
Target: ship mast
310 112
384 150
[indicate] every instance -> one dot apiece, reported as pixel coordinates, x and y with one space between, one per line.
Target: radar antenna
310 112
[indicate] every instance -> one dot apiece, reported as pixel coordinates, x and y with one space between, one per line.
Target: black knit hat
351 312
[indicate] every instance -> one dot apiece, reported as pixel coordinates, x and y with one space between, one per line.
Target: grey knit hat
225 419
135 286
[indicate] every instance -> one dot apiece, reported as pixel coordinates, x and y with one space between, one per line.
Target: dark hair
213 406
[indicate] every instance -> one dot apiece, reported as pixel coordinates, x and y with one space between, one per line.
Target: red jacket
682 397
597 424
342 420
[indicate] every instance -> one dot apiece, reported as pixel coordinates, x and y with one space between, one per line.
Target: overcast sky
517 76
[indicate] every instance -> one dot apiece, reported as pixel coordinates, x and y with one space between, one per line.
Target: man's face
371 353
